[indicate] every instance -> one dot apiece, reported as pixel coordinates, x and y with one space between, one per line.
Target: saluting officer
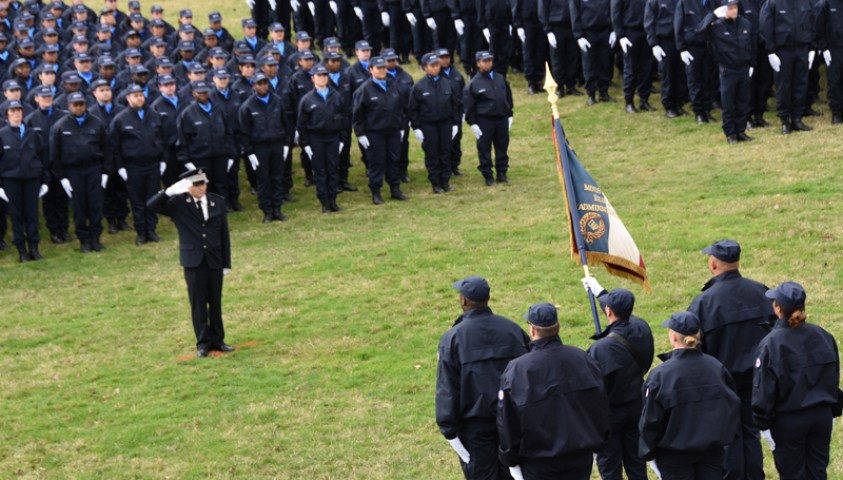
795 391
624 352
472 356
690 410
735 316
487 101
553 411
434 112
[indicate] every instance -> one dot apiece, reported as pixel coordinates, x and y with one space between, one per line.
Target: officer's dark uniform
525 14
458 83
795 391
555 17
230 102
405 85
487 101
115 204
434 109
552 410
298 86
830 37
371 22
732 42
202 142
169 110
762 77
55 202
658 26
444 36
496 15
700 73
591 19
139 147
628 22
341 82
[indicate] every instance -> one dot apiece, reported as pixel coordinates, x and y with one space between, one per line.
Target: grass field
338 316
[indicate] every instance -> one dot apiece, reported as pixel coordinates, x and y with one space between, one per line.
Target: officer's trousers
23 209
372 25
116 197
563 58
576 466
55 204
270 175
422 35
204 289
834 74
456 149
792 82
87 201
383 155
445 35
706 465
471 41
345 156
495 131
735 98
437 152
637 68
743 459
762 81
481 440
622 450
400 37
535 50
325 163
672 70
802 443
143 182
500 45
701 78
597 62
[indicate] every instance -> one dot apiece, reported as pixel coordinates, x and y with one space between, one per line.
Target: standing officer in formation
472 356
224 97
447 70
624 353
693 50
830 41
115 208
628 24
658 25
525 22
592 28
205 253
405 85
487 103
565 63
552 409
795 391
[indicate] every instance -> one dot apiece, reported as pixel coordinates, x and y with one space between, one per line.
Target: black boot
836 119
786 130
96 245
326 205
760 122
405 177
438 189
799 125
308 179
376 197
334 206
267 216
277 215
34 254
152 236
396 194
84 247
123 224
113 227
591 100
23 257
645 106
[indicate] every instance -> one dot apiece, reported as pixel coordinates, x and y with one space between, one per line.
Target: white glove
625 44
477 132
253 159
811 55
459 25
189 166
312 7
3 195
591 283
487 34
359 12
104 180
551 39
341 145
431 23
123 174
308 151
364 141
509 123
251 4
827 57
522 35
515 473
412 19
658 52
751 71
613 37
385 18
225 271
65 184
584 45
286 151
768 437
296 138
419 135
182 186
162 166
720 12
510 31
454 131
401 134
686 57
294 4
333 6
458 447
655 469
272 4
43 191
775 62
228 167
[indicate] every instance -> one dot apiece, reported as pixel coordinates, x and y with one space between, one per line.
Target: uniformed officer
323 115
658 25
379 115
795 391
732 42
691 410
81 157
555 17
735 316
297 86
450 72
830 42
139 152
204 251
624 353
340 80
358 73
487 102
115 209
228 100
525 22
435 115
404 81
494 19
169 106
591 26
24 178
472 356
628 24
693 51
553 411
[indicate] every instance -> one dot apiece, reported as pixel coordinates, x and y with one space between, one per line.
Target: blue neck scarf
380 83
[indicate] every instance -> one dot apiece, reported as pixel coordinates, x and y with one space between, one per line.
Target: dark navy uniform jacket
75 146
376 110
591 15
686 18
472 356
263 123
554 12
734 315
796 368
358 74
458 81
627 16
322 116
203 136
731 41
551 403
830 24
137 142
787 23
690 405
434 101
621 371
23 158
487 96
658 21
169 117
198 238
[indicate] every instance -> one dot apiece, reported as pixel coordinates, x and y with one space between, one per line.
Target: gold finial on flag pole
550 87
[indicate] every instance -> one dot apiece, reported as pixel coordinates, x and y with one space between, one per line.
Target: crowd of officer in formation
102 108
744 365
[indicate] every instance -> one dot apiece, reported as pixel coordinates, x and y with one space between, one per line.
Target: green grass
346 309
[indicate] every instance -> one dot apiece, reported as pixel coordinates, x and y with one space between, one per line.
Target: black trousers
345 156
802 442
115 203
495 131
372 26
404 157
55 204
834 76
762 81
535 50
232 180
622 450
672 71
445 35
400 37
456 148
270 175
87 201
171 174
570 467
349 29
325 163
792 81
735 98
23 209
470 42
500 45
743 459
563 58
144 181
303 20
481 440
383 155
261 15
707 465
437 151
701 78
325 22
283 14
637 67
215 167
204 289
597 62
422 35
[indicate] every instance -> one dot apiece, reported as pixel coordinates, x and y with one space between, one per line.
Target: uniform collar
546 342
473 313
723 277
685 352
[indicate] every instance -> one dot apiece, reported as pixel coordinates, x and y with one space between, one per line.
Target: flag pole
565 179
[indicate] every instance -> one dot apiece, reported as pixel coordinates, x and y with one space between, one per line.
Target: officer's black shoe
760 122
701 119
236 205
645 105
267 216
743 137
34 254
503 179
141 239
289 198
326 207
112 226
630 108
334 206
799 125
97 246
308 180
65 236
405 178
448 188
277 215
124 225
396 194
732 139
152 236
750 124
532 90
438 189
348 187
23 257
456 172
202 352
836 119
710 117
228 207
490 182
224 347
376 198
573 91
55 238
85 247
786 130
591 101
812 113
670 113
604 97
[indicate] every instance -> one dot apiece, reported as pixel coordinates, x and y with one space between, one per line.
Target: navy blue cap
442 52
260 77
25 42
331 55
389 54
103 27
320 70
82 57
303 36
10 104
4 38
242 47
429 59
269 60
196 68
218 52
138 69
48 49
78 8
11 85
157 22
156 8
106 61
246 59
46 68
732 2
43 91
134 88
214 17
186 45
362 45
277 27
79 25
377 62
221 73
473 288
724 250
18 62
248 22
132 52
542 315
186 13
80 39
200 86
483 55
131 33
158 42
163 61
136 17
209 32
332 42
685 323
76 97
50 31
789 295
100 82
48 16
304 55
186 28
71 79
134 4
165 79
620 300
